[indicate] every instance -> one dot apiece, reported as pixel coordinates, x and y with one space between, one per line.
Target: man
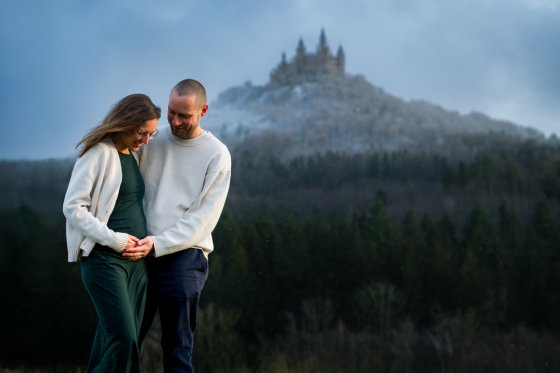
187 173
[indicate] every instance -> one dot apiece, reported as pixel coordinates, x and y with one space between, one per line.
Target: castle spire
340 59
323 47
300 51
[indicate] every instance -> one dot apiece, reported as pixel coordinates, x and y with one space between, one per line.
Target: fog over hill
311 105
343 114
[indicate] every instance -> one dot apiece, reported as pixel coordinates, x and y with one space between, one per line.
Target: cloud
66 62
544 5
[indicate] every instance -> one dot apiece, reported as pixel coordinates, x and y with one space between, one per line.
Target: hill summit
311 105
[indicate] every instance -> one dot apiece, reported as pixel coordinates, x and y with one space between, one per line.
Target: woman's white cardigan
90 200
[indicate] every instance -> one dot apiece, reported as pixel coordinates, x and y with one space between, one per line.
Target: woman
104 216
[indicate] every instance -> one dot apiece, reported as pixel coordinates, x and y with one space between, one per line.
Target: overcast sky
65 62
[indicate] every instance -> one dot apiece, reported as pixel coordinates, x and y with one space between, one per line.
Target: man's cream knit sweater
187 182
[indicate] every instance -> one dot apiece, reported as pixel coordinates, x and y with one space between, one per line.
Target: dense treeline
382 262
430 183
502 269
369 274
46 314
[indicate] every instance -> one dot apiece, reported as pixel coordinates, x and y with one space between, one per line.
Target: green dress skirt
117 286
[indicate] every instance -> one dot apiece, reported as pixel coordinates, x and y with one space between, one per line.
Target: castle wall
306 67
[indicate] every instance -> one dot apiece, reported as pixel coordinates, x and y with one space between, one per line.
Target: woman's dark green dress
117 286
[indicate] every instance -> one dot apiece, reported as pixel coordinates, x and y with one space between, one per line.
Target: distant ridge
310 105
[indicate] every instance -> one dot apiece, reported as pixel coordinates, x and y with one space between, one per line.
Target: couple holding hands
139 217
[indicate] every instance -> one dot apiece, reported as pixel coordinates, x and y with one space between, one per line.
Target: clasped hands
136 249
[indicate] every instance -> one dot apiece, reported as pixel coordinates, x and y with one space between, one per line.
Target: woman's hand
132 242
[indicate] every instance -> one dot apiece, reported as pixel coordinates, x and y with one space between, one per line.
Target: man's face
183 115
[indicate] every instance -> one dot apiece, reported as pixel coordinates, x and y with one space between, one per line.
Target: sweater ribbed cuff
157 252
119 241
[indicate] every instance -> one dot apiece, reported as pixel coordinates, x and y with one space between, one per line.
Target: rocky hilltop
310 105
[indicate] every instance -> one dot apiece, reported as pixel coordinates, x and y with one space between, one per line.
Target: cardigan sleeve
91 193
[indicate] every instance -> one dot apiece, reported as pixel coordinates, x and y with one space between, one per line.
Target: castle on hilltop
306 67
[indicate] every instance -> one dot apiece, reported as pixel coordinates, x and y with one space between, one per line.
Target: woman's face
133 140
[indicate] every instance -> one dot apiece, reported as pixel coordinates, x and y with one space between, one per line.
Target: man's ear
204 109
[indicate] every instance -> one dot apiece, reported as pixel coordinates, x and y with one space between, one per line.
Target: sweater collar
190 142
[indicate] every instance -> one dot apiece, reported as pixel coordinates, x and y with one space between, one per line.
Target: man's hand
141 249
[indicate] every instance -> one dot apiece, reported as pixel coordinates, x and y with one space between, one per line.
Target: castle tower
340 59
309 67
283 61
323 47
300 51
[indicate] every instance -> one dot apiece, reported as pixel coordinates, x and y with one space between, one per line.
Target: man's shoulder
217 142
220 153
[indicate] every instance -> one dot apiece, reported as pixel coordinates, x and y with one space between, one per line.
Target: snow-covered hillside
342 114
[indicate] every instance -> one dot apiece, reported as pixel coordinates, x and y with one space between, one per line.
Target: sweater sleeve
87 176
198 222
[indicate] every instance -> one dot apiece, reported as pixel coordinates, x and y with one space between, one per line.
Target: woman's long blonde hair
126 115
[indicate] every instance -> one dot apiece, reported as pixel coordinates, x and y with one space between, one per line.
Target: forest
378 262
